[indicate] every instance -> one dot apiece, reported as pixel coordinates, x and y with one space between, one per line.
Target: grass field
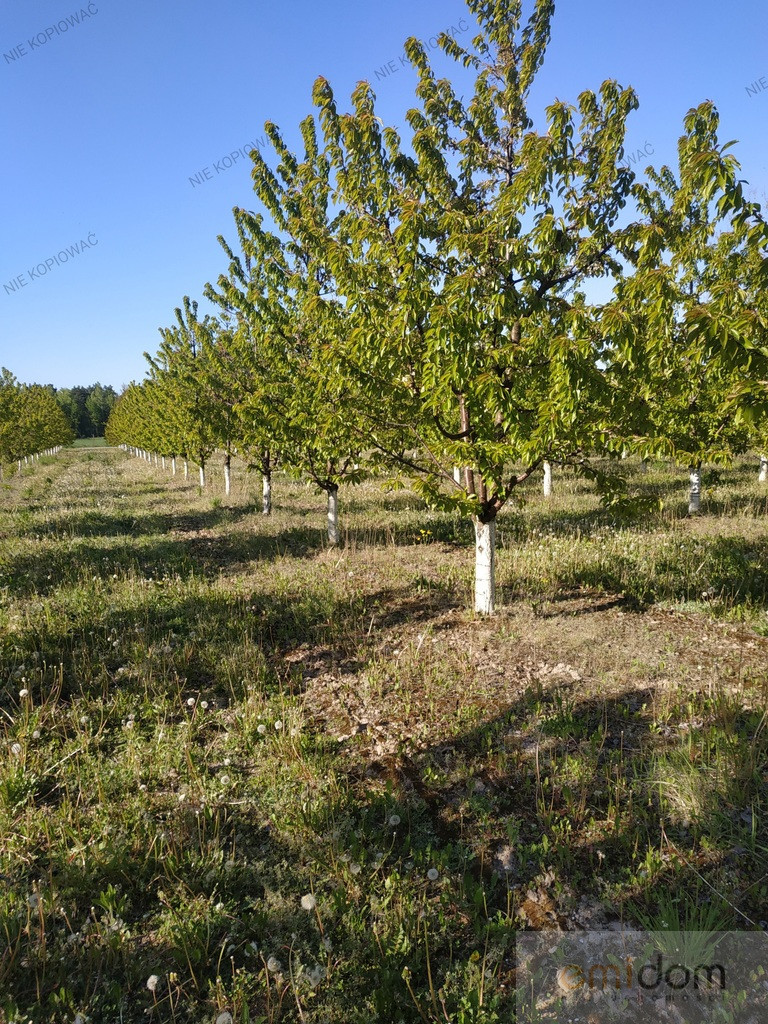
243 773
89 442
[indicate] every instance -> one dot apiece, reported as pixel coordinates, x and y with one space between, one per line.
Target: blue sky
109 110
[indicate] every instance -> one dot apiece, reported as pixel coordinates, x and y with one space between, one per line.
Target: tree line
473 299
87 409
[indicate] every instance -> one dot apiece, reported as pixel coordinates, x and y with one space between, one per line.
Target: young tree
179 370
464 261
695 305
281 293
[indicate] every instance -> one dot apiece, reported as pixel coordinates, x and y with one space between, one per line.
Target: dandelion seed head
315 976
204 705
24 693
152 982
433 874
224 780
16 748
261 729
274 965
278 726
190 702
394 819
308 901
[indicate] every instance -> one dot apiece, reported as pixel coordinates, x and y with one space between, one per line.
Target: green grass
89 442
207 716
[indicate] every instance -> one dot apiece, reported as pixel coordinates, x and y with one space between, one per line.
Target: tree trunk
173 466
266 493
163 461
202 474
763 469
547 479
186 469
694 493
333 515
227 474
485 567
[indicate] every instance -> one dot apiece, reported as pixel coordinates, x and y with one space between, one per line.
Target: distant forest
87 408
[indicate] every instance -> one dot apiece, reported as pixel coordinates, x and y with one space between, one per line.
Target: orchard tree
236 363
10 411
283 297
178 368
694 307
463 261
41 424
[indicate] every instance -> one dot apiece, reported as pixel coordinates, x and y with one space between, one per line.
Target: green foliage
30 420
87 408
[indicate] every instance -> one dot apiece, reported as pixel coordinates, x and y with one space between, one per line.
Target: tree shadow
96 523
29 574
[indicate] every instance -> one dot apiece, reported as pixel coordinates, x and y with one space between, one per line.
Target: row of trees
433 305
31 421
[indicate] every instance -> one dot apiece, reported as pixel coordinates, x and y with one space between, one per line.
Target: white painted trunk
547 479
202 476
457 475
173 466
763 469
485 567
333 516
186 470
227 479
694 493
163 461
266 495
